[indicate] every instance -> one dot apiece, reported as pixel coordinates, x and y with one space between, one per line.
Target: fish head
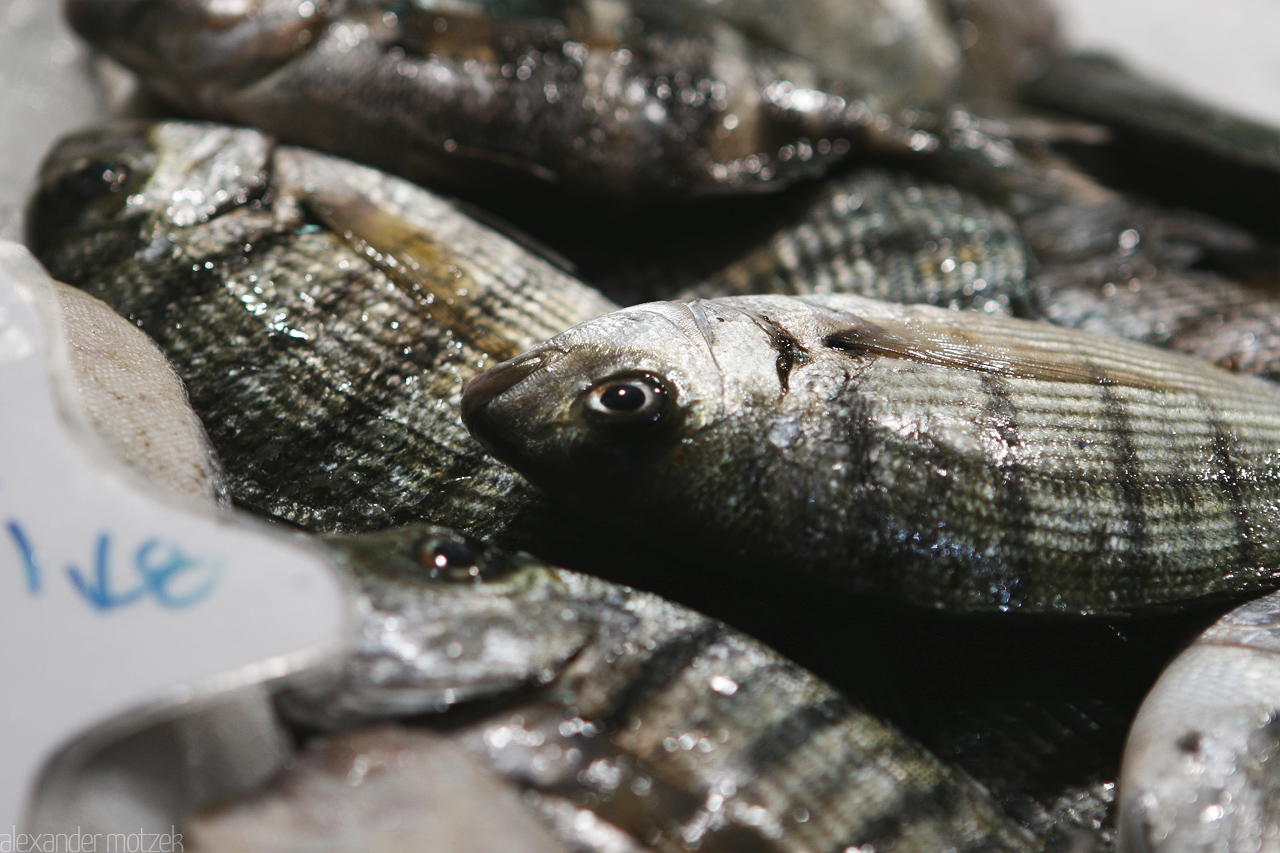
136 180
445 619
615 410
189 50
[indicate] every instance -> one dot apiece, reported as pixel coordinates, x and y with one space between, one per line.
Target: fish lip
488 385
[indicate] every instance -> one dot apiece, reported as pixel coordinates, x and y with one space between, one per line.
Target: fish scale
949 459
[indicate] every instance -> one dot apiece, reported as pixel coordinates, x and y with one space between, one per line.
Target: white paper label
111 600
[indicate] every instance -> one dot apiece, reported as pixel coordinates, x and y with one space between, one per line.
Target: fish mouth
500 378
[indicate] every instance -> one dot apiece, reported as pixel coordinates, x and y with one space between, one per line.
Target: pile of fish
868 328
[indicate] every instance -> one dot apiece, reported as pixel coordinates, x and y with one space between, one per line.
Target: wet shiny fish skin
649 724
944 458
875 232
324 316
1200 768
455 99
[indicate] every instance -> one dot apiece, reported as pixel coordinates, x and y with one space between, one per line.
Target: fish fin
413 259
989 347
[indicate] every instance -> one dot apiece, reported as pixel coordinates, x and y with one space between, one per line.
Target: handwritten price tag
114 600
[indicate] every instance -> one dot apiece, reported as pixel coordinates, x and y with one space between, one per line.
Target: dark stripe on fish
1225 452
1120 430
774 744
662 669
912 806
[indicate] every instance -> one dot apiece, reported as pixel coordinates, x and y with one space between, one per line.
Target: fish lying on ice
947 458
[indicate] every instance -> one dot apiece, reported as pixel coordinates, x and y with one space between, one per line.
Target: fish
626 719
324 316
943 458
1199 771
621 103
450 98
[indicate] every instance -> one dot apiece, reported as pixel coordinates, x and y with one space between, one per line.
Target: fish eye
632 400
454 558
94 179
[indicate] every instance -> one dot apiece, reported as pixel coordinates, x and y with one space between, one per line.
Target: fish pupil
97 178
623 398
445 557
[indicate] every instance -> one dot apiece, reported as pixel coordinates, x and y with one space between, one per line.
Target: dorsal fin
988 347
416 262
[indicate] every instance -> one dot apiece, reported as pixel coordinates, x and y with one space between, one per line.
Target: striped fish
323 315
945 458
632 723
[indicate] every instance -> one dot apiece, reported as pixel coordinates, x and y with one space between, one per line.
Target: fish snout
478 412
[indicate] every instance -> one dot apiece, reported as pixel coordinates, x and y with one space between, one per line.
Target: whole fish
946 458
323 315
599 99
631 723
1201 767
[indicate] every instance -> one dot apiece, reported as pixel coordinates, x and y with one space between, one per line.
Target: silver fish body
322 315
648 724
946 458
1201 766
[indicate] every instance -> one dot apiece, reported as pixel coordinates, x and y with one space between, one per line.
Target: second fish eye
447 558
634 399
95 178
